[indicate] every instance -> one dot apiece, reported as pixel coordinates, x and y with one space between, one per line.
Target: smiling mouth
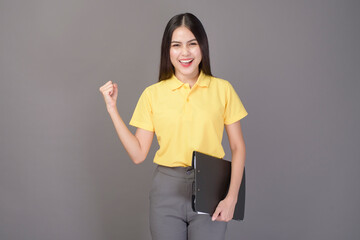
186 63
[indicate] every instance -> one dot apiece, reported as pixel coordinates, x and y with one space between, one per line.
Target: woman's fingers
107 88
115 90
221 213
109 91
105 85
216 213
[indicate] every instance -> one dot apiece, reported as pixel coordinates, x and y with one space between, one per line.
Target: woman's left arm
226 207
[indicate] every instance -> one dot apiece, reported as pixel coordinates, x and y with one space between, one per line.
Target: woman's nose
185 50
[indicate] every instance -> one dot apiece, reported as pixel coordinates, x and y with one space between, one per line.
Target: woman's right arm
138 145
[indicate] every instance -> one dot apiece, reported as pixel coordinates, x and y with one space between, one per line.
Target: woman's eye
194 43
175 45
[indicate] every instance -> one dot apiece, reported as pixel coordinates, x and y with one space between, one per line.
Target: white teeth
186 61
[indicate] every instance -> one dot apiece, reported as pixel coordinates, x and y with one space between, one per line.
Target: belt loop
189 170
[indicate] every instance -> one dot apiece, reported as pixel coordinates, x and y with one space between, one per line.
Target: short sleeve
142 116
234 109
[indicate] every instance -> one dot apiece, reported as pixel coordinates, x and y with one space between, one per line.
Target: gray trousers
171 214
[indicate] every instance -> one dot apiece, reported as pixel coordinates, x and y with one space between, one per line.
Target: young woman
188 109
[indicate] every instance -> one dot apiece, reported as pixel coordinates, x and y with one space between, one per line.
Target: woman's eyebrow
187 41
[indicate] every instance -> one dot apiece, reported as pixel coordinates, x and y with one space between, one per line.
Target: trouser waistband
179 172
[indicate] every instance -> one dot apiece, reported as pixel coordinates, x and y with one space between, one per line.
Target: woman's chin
188 72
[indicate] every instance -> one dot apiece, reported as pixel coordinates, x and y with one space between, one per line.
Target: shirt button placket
187 108
188 93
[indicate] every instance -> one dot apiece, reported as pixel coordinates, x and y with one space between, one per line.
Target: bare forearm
130 142
237 166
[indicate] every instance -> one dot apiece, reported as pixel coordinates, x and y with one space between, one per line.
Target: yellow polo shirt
185 119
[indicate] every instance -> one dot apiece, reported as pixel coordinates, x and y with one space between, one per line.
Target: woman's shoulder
220 82
154 88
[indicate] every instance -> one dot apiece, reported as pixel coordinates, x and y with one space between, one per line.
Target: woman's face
185 53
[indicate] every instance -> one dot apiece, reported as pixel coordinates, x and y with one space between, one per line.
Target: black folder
212 180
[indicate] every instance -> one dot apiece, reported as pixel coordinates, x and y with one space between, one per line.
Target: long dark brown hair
194 25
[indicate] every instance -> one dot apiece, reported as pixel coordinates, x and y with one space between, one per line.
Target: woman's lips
186 62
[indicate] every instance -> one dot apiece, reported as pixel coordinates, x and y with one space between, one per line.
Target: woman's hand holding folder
225 210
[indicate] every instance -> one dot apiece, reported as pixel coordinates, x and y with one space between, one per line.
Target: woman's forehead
182 34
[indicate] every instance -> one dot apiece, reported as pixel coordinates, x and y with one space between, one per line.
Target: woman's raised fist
110 92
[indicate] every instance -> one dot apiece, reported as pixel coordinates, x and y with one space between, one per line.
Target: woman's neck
188 79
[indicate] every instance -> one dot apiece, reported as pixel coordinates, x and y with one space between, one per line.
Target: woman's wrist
231 198
111 109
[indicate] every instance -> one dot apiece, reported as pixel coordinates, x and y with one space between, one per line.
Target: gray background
63 171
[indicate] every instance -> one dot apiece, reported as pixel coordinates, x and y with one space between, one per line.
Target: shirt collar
202 81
